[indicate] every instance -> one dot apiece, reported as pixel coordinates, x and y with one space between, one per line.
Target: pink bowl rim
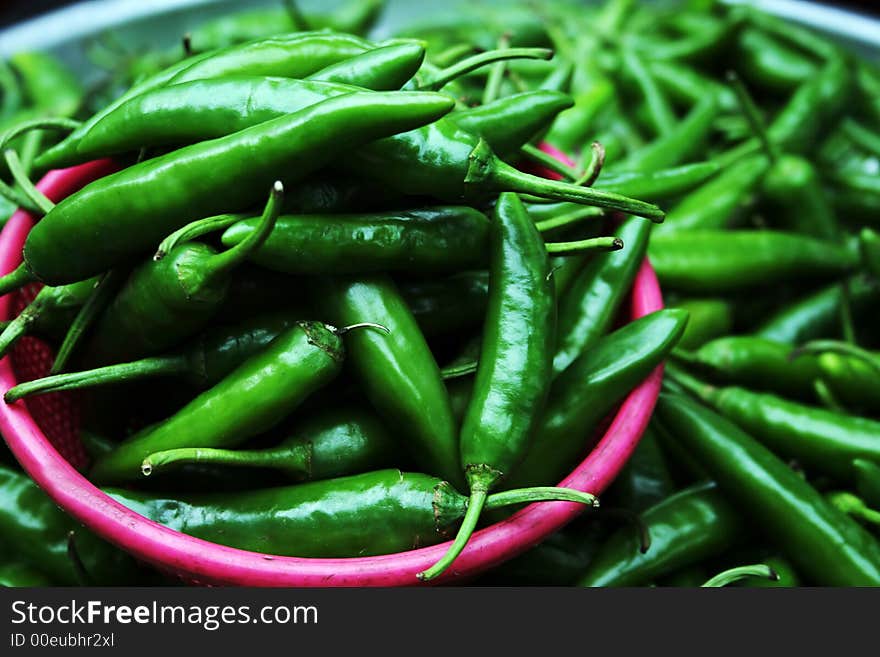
203 562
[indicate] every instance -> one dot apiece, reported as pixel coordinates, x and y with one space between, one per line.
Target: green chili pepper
331 444
293 55
36 529
166 301
251 399
397 371
718 261
756 363
708 319
852 381
573 126
189 112
769 64
424 239
588 307
714 204
589 388
791 186
687 86
660 113
443 161
204 179
818 315
679 144
202 363
509 122
815 437
695 524
514 366
825 545
51 310
48 83
867 480
447 305
362 515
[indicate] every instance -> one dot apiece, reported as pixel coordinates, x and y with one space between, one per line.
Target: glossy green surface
825 545
253 398
686 528
442 239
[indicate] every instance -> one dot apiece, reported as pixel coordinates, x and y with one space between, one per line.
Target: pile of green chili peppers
342 298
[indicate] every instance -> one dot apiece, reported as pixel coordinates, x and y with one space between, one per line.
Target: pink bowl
202 562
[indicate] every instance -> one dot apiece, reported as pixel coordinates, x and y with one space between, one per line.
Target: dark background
12 11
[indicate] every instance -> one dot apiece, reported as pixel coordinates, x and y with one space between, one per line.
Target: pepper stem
594 166
85 318
853 505
752 115
496 73
502 177
19 326
445 76
239 253
569 218
580 247
468 525
815 347
690 383
291 460
195 230
548 161
540 494
20 176
120 373
17 278
742 572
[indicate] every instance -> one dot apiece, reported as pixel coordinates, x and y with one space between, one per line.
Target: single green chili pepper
705 36
719 261
687 86
425 239
509 122
791 186
204 179
679 144
589 388
714 204
166 301
202 363
447 305
515 363
251 399
343 442
397 370
757 363
769 64
34 527
693 525
805 39
361 515
660 112
708 319
51 310
818 315
645 479
661 184
867 480
825 545
292 55
815 437
852 381
588 307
